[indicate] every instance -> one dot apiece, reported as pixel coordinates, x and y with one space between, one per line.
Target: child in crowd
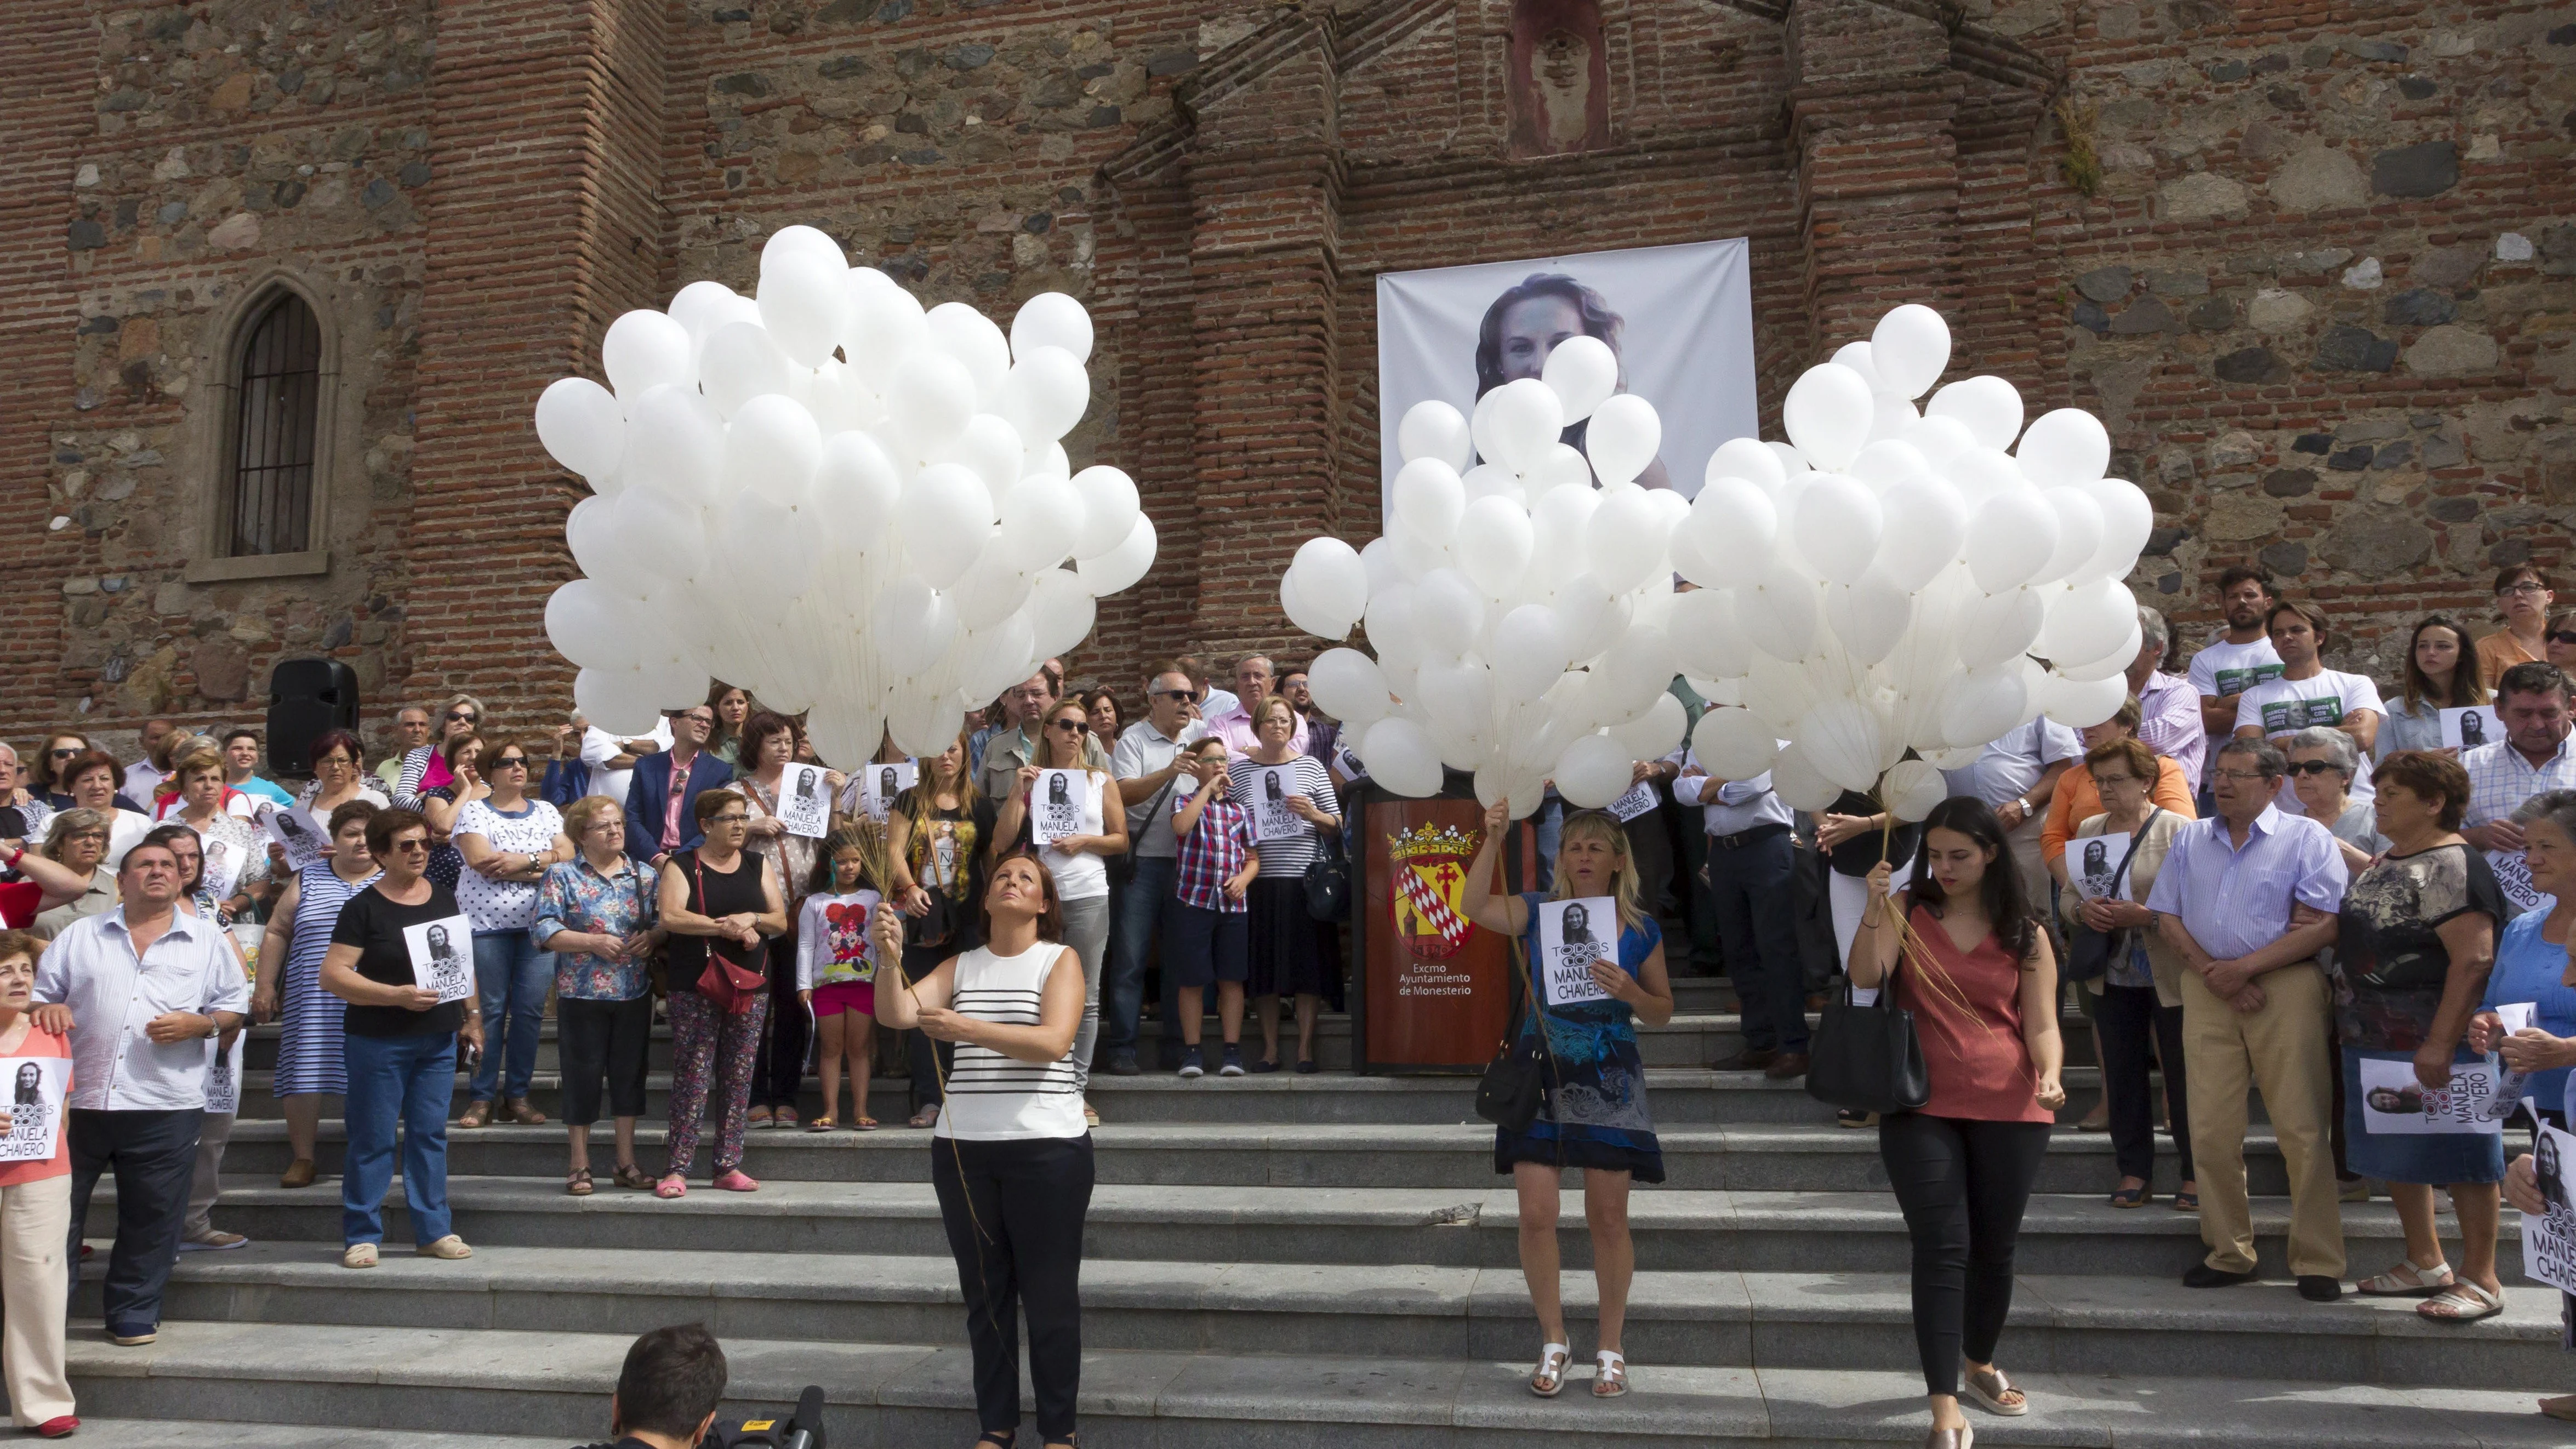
1207 935
836 972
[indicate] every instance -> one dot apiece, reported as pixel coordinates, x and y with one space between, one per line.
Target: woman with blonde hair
1593 1114
935 839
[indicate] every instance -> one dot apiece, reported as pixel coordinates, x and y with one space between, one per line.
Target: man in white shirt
2017 776
2234 662
2532 703
140 990
1252 678
1149 778
1751 858
612 760
2306 693
146 774
2169 721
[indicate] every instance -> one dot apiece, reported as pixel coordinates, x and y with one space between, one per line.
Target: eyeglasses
2312 767
2105 782
86 835
508 761
466 715
2249 777
736 818
2525 587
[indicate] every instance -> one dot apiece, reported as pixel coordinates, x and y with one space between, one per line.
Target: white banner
224 1074
1271 817
873 788
804 800
2394 1102
35 1127
1057 805
298 833
1571 936
1679 317
1639 799
2549 1239
2470 726
442 956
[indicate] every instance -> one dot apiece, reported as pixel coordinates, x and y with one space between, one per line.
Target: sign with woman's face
1678 319
437 962
35 1121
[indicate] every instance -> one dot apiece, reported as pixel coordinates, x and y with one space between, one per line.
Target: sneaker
1232 1066
132 1336
1123 1064
215 1241
1192 1065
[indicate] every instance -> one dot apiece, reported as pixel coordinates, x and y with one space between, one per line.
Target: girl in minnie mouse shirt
836 972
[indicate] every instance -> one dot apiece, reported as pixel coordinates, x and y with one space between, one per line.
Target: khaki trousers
35 1232
207 1184
2281 1050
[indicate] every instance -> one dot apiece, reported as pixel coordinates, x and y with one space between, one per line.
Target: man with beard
2229 665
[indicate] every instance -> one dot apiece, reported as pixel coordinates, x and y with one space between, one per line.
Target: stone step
1678 1096
1674 1229
98 1433
557 1384
2081 1324
1757 1157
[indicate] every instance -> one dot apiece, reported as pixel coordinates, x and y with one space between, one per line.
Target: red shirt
1969 1020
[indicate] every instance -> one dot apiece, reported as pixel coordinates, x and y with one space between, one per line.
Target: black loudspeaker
307 698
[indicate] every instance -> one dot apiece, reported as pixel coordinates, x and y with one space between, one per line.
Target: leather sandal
477 1114
1548 1380
1963 1437
299 1173
577 1183
518 1110
1988 1388
1609 1374
632 1176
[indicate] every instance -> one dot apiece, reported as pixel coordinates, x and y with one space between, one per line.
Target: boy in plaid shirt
1206 927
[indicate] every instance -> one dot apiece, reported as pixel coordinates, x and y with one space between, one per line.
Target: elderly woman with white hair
2322 765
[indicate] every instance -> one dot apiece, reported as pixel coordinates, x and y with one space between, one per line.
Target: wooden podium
1436 991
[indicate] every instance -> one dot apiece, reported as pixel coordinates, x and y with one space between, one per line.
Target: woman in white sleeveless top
1012 1165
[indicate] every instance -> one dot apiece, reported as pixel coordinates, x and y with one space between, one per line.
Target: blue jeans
403 1080
1138 907
508 965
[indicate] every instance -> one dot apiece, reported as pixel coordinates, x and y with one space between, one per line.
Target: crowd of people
2260 873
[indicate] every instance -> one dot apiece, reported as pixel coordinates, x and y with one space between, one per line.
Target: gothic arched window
277 392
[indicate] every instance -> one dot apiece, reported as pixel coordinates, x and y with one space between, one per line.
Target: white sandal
2427 1281
1553 1359
1610 1369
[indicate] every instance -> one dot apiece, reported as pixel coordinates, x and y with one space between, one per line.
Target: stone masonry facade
2314 263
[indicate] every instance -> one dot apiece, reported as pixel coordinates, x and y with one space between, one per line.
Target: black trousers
1753 890
1019 1246
2136 1031
154 1157
596 1039
778 1073
1963 1186
929 1059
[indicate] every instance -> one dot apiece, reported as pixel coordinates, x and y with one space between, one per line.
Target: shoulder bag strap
2135 840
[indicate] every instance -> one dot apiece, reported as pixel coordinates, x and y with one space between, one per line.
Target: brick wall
2319 286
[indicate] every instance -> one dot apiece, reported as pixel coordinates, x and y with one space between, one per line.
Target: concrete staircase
1287 1261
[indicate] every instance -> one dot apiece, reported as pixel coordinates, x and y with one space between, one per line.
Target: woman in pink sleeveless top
1982 986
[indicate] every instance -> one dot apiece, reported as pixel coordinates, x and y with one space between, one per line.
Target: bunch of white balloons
1885 581
834 499
1517 612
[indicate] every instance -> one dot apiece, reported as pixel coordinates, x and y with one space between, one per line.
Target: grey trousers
1086 930
203 1189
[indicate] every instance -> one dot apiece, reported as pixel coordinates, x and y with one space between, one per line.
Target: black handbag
1515 1081
1328 880
1868 1058
2089 953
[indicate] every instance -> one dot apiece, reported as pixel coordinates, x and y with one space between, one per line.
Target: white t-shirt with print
2283 707
2221 669
504 905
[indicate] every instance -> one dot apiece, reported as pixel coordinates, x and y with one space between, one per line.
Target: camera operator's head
668 1392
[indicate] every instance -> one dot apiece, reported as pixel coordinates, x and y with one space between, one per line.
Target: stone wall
2311 264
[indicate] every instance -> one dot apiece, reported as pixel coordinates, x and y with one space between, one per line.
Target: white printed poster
1272 786
1639 799
1571 936
1348 763
442 956
1057 805
224 1075
297 833
2470 726
1679 319
2549 1239
39 1085
873 788
224 864
804 800
2394 1102
2513 877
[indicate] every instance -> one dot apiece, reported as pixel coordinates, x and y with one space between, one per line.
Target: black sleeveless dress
715 892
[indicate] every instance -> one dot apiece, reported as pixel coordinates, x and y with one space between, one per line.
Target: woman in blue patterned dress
309 1060
1594 1114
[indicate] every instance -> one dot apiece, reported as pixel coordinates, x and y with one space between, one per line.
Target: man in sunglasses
1147 766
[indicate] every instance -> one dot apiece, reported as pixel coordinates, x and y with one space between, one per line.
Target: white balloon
1926 523
664 539
1911 788
1835 522
676 444
701 307
1493 544
2067 445
1039 519
1652 735
1593 771
739 363
592 626
2084 705
772 449
991 447
2009 540
1449 610
800 243
1590 615
616 701
1526 421
970 337
2116 661
855 487
1435 430
1827 414
947 516
1733 518
1624 540
1856 356
1910 347
1978 705
1118 570
1842 739
1749 459
887 327
1799 784
805 304
1332 579
1868 617
1109 512
1350 687
2079 532
645 349
1988 406
1939 440
1529 653
586 531
1429 497
2127 520
1733 745
2088 623
581 425
988 592
2001 626
1051 319
1889 461
1401 757
1778 610
1622 439
1707 640
1061 610
1562 466
1306 616
1583 372
1044 394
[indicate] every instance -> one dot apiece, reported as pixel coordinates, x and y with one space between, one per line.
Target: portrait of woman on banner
1526 323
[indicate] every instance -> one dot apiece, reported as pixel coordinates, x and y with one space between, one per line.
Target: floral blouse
575 897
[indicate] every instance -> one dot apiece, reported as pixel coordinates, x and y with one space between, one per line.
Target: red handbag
728 983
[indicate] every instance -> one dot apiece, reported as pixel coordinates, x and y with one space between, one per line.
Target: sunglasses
466 715
2312 767
1069 726
507 761
2561 636
406 847
1181 696
65 754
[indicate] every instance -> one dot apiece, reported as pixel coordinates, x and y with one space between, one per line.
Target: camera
801 1429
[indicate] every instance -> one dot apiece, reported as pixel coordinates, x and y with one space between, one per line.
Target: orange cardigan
2077 801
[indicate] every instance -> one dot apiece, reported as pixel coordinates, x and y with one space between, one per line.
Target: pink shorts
840 996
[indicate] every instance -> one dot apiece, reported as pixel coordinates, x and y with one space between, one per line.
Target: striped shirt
994 1097
1304 775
